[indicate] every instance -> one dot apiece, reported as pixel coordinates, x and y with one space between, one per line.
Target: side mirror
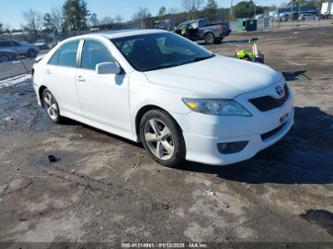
108 68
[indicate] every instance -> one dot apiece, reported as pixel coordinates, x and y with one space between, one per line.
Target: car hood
217 77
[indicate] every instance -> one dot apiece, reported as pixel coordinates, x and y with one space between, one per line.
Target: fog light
233 147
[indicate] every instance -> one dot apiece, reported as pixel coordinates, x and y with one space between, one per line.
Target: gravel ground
106 189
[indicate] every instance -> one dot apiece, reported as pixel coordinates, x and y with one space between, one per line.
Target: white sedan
177 98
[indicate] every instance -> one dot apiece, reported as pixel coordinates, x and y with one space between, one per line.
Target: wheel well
142 112
40 92
209 33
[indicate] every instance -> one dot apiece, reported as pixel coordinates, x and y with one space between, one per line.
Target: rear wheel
209 38
4 58
51 106
162 138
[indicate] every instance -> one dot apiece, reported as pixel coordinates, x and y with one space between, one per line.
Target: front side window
94 53
203 23
54 58
159 50
65 55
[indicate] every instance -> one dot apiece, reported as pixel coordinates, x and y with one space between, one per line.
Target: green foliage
1 28
247 9
211 10
75 15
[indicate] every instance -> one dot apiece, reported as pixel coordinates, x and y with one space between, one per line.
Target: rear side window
65 55
54 58
94 53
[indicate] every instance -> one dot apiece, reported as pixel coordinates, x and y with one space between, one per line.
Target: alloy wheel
159 139
51 106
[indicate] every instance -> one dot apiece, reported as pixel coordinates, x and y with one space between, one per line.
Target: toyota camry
181 101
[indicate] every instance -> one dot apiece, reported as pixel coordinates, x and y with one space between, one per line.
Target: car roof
122 33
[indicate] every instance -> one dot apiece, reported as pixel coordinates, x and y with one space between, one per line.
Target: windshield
159 50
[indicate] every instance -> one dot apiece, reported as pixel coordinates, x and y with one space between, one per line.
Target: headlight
216 107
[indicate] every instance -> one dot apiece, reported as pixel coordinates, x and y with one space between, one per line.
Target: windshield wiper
195 59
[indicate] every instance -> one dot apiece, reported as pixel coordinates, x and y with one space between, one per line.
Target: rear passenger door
60 78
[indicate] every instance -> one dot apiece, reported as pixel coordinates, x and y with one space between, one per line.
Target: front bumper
202 132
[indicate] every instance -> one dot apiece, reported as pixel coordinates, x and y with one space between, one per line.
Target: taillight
221 28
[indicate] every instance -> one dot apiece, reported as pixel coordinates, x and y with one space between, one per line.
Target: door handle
48 71
80 78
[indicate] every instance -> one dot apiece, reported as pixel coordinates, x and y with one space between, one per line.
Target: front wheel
51 106
162 138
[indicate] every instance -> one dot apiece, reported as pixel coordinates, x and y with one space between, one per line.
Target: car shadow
90 132
304 156
291 76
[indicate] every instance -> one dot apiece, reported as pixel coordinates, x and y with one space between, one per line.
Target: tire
162 138
32 53
209 38
51 106
218 40
4 58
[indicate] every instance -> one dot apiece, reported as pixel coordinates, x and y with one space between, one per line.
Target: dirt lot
106 189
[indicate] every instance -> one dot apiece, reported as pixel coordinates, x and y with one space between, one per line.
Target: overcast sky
11 10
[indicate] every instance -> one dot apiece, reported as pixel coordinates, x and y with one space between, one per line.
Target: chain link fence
271 24
16 58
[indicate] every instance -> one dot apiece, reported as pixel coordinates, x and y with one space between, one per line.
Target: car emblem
280 91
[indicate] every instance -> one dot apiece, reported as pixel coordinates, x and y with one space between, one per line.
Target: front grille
266 135
267 103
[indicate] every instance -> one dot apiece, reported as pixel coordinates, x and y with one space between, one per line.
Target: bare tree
57 19
192 7
162 12
47 24
93 20
33 22
118 19
107 20
142 16
174 16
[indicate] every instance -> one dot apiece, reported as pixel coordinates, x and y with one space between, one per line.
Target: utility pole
230 12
